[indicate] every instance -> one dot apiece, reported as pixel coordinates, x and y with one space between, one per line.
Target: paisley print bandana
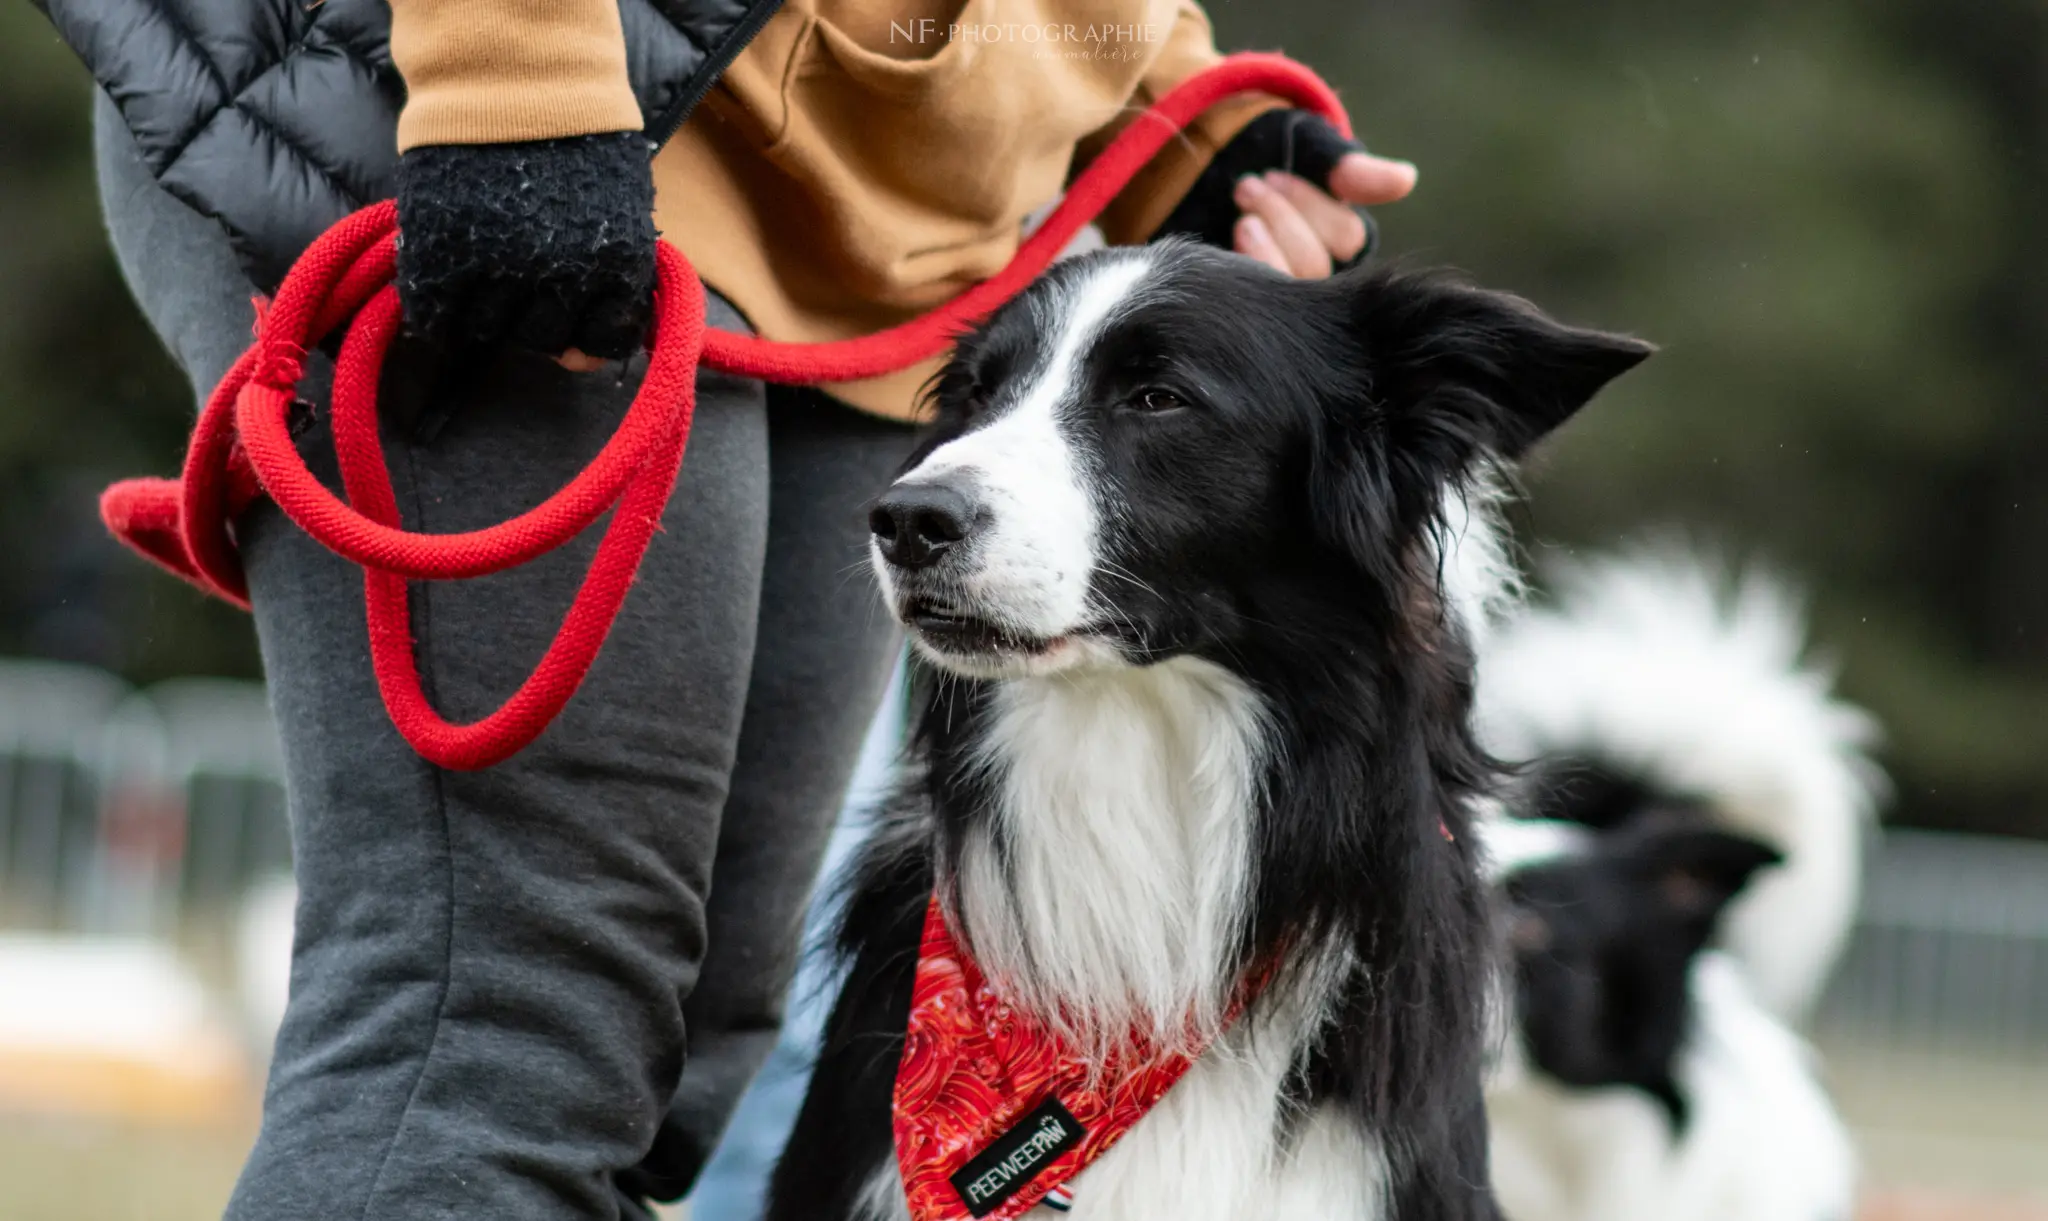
992 1114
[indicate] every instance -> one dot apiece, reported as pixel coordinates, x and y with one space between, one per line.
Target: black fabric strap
1297 142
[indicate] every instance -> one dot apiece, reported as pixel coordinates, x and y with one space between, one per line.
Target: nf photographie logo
1067 40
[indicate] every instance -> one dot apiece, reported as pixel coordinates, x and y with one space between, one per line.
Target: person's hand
1260 195
1295 227
546 245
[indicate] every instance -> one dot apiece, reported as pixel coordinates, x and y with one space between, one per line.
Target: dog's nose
915 523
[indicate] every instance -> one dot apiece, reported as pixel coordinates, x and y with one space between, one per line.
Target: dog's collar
994 1115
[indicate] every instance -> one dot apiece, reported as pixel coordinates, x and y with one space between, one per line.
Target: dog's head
1603 943
1157 451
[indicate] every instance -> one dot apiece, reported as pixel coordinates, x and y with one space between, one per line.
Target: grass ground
77 1170
1945 1138
1940 1126
74 1170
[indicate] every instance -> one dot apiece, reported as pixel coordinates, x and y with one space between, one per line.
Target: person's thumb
1364 179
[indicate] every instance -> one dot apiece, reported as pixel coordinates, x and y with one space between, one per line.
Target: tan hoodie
860 161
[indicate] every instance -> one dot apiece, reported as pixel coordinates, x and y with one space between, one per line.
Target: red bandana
991 1112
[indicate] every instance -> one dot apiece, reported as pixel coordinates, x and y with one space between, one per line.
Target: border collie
1655 680
1643 1078
1189 564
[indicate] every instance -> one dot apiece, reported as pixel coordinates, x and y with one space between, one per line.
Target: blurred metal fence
156 811
133 811
53 734
1934 1031
1950 952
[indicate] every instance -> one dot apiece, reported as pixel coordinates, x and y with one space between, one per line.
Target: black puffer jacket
279 117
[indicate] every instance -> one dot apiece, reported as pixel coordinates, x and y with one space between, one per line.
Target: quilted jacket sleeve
498 71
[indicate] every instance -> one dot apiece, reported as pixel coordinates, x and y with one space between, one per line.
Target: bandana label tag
1013 1159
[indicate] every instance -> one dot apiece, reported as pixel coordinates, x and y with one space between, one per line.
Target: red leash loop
242 445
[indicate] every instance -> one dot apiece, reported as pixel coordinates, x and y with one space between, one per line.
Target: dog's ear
1455 367
1686 875
1443 377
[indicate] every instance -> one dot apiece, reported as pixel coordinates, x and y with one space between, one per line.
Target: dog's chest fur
1109 880
1107 891
1212 1150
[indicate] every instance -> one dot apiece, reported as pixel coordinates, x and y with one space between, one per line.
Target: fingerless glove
547 244
1299 142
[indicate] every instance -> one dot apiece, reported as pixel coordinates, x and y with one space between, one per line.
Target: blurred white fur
1656 662
1481 582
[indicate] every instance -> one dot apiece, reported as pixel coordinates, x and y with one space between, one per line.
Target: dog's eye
1156 399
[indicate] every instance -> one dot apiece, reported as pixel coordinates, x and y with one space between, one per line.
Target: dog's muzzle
927 533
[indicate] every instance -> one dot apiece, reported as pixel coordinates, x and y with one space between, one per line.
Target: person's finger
1307 257
1361 178
576 361
1337 225
611 327
547 324
1251 237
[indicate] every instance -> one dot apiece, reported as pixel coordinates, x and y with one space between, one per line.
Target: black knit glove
1297 142
548 244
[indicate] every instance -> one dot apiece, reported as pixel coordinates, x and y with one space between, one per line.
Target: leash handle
659 409
671 380
184 526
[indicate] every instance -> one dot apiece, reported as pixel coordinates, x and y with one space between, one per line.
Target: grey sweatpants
497 975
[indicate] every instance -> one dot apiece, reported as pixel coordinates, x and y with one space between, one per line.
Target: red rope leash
241 447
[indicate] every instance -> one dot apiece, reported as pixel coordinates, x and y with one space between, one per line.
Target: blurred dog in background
1678 871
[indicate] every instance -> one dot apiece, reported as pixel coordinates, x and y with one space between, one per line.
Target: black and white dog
1656 676
1697 798
1190 563
1643 1077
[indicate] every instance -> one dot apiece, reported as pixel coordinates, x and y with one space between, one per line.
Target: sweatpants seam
424 644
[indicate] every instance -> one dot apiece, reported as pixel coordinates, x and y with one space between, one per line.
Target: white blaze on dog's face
1013 498
1171 451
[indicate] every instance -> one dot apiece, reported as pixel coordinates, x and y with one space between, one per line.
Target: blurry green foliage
87 394
1822 209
